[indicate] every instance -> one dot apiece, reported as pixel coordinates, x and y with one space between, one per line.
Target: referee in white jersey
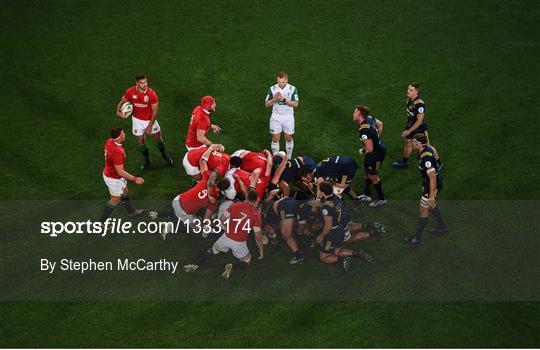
283 98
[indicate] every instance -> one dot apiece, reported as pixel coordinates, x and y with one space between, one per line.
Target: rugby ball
280 154
126 109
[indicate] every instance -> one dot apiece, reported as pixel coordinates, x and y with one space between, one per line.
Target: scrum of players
278 198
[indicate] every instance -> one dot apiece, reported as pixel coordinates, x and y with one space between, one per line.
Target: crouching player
238 220
311 222
280 216
116 177
334 231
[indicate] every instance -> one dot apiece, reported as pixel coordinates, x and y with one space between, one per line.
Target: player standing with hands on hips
145 109
283 98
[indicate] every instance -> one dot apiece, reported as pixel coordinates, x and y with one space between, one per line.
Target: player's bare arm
255 175
274 99
432 186
259 240
203 162
208 214
416 125
243 188
368 146
118 111
269 163
279 170
284 188
210 185
202 138
120 171
326 229
270 196
380 126
152 119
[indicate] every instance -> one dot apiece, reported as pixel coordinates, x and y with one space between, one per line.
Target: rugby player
200 124
335 227
338 169
432 184
310 222
280 216
251 161
116 177
291 173
217 161
283 98
415 122
239 220
374 152
145 109
241 180
203 195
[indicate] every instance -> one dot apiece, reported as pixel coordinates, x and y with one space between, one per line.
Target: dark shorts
287 208
425 186
334 240
347 170
305 213
421 129
309 162
373 161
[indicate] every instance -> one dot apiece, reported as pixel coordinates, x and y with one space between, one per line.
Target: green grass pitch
64 66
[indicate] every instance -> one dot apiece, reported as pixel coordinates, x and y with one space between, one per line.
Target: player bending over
238 220
251 160
280 216
217 160
291 173
338 169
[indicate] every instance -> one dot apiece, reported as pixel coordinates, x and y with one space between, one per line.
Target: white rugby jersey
289 92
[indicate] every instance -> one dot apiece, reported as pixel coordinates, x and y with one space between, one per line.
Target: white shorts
281 123
230 192
190 169
139 126
238 153
180 213
224 206
116 186
424 201
192 148
224 244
